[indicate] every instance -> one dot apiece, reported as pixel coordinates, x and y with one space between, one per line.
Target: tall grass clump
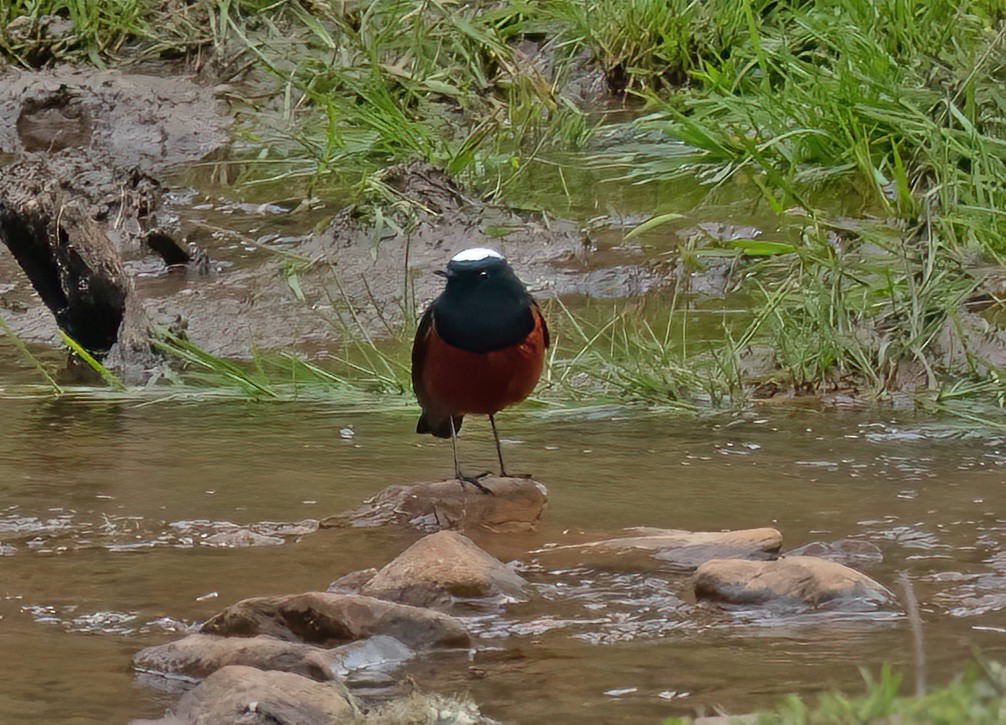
896 103
393 81
36 32
897 100
362 367
975 697
650 44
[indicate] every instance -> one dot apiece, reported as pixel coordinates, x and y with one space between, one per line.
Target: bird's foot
474 481
505 474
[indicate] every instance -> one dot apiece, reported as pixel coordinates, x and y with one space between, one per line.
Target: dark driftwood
70 261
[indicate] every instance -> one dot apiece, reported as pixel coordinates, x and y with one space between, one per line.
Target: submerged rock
796 581
199 655
440 568
651 548
247 696
851 552
241 539
328 619
358 662
516 506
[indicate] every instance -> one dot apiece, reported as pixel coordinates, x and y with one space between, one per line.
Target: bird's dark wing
536 311
430 421
423 333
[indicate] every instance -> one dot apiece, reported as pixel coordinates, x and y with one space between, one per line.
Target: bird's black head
485 306
480 267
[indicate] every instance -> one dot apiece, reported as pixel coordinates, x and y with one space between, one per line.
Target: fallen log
72 264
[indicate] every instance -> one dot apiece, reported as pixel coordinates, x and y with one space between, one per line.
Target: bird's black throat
484 308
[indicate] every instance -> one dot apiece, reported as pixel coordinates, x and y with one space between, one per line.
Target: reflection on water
122 524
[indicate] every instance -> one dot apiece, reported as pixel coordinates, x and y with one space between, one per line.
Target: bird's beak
440 273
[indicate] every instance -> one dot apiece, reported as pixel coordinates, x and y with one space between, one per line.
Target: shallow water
107 509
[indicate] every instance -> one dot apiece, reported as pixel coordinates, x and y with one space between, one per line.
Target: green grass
393 81
37 32
978 697
899 101
31 359
363 366
649 44
863 321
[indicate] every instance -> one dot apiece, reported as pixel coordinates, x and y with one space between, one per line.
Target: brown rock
441 567
516 506
199 655
238 695
797 581
352 582
650 548
328 619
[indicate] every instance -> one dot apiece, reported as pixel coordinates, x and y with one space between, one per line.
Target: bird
479 348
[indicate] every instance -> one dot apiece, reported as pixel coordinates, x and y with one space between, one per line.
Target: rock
241 539
199 655
516 506
442 567
239 695
352 582
651 548
796 581
328 619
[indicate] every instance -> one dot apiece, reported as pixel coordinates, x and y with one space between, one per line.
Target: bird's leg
499 454
463 479
499 449
454 449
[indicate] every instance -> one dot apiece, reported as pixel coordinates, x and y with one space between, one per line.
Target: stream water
107 506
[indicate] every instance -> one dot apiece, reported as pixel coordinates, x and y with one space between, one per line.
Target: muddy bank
131 119
79 201
237 277
231 293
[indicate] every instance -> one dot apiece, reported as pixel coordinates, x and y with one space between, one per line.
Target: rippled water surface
117 520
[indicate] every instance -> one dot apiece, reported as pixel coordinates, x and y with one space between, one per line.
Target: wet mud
131 119
107 140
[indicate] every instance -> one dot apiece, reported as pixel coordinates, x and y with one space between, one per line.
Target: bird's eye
483 274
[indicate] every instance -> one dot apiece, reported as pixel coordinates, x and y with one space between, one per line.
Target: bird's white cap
476 254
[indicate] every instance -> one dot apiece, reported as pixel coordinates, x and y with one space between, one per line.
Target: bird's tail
439 427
